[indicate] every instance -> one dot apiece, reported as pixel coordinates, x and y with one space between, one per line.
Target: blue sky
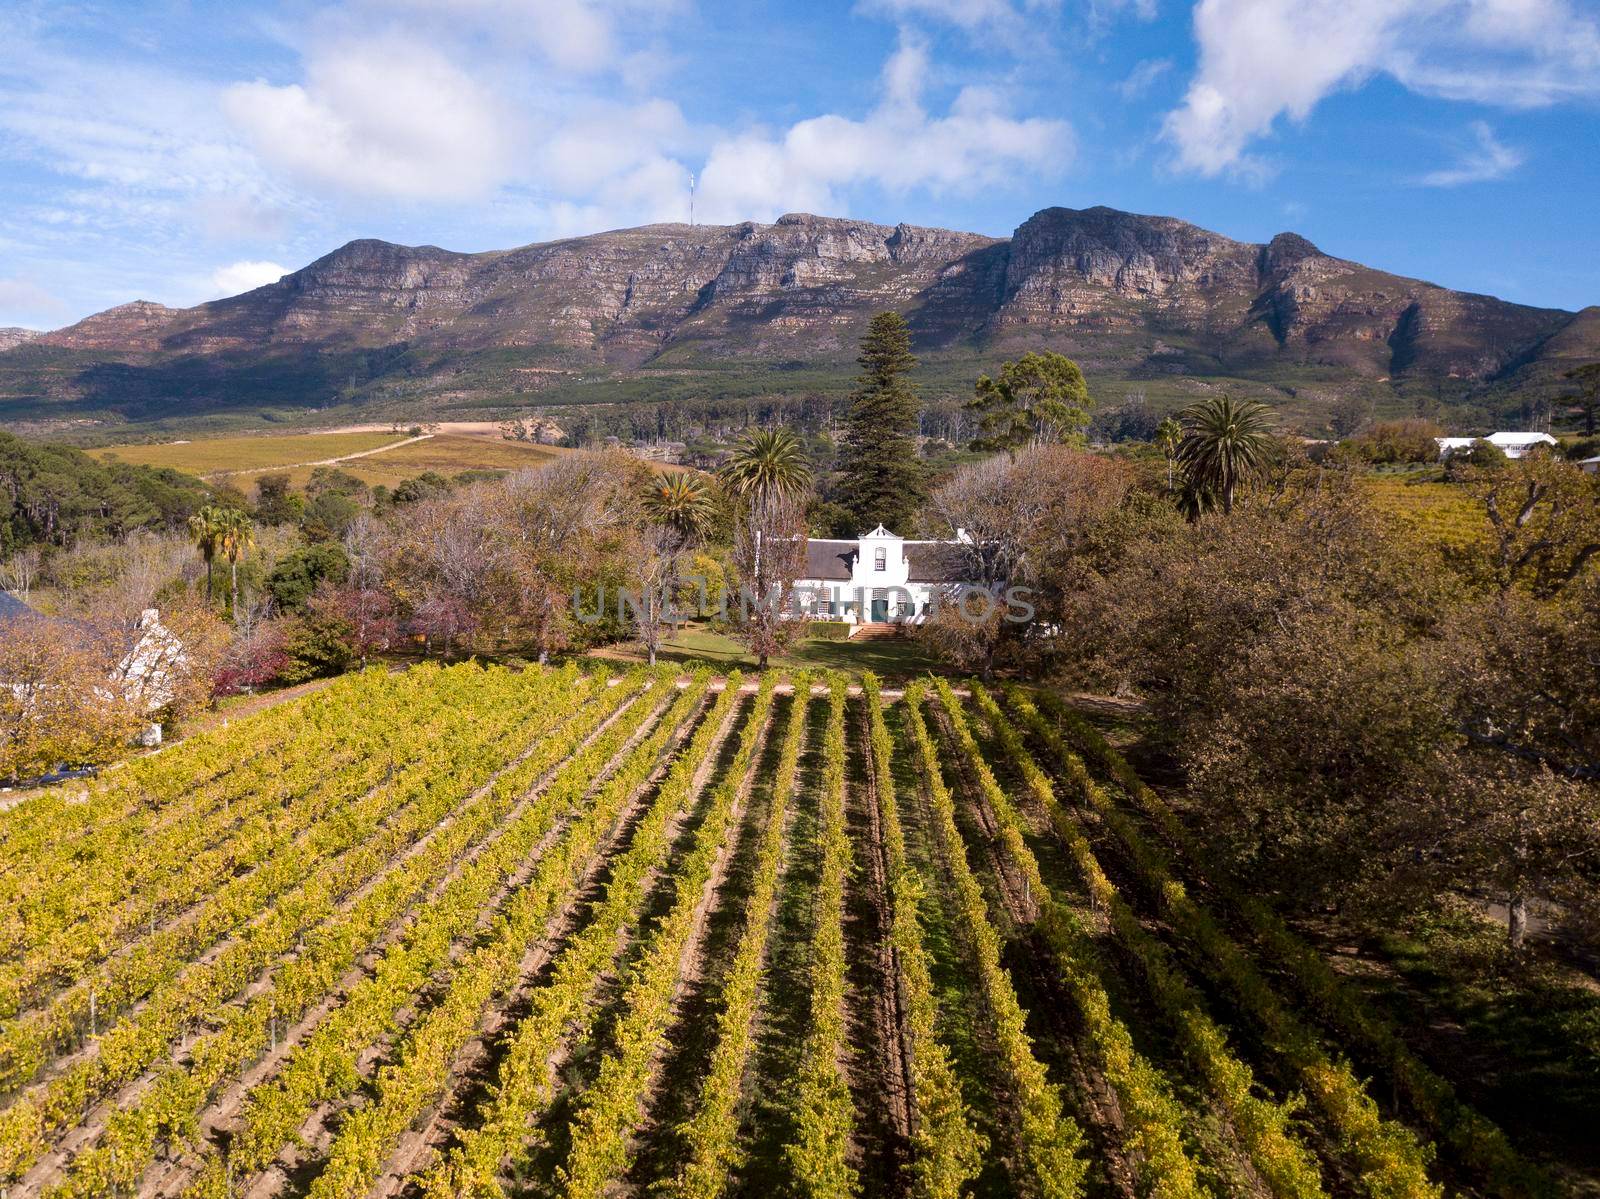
183 151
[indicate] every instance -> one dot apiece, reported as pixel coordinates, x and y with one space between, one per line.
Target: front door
880 611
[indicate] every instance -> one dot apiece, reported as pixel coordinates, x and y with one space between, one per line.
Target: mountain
1145 303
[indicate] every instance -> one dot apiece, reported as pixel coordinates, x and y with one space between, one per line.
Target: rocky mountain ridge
1129 295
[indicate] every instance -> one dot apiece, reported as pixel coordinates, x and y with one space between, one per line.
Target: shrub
1398 441
829 630
298 573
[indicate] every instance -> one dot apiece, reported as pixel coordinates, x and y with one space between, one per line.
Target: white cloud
1016 25
1143 76
247 275
582 36
899 146
381 117
1486 160
1264 59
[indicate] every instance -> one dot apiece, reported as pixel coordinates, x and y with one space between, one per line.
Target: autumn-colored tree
1025 518
57 707
1543 521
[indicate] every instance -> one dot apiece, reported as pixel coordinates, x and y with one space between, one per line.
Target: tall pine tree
882 480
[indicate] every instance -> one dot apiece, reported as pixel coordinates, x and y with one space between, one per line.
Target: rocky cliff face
11 336
1124 292
139 325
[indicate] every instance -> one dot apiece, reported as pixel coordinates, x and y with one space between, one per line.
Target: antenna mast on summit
691 199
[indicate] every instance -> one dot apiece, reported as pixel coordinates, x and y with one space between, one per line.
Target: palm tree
769 465
1225 443
682 503
237 535
769 475
680 509
1169 435
205 526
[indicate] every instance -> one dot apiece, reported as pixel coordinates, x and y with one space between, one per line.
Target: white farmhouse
1513 445
1590 465
875 579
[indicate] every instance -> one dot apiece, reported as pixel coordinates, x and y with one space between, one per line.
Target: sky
180 152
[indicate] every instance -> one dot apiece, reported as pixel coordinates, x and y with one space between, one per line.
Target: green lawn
891 659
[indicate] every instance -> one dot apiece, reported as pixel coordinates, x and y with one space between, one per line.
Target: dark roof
935 562
830 559
11 607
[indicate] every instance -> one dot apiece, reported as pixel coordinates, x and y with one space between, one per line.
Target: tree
235 537
770 481
19 571
1349 416
1027 520
1039 399
1410 440
275 504
679 509
1169 435
1588 396
56 707
881 478
1225 443
1544 521
682 503
768 464
206 527
296 575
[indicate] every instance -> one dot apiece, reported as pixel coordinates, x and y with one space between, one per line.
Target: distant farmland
221 455
447 453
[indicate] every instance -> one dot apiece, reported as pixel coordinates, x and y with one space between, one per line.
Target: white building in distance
1512 445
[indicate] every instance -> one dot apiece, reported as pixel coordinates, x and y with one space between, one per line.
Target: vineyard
469 931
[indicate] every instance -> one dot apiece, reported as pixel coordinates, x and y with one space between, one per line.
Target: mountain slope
760 309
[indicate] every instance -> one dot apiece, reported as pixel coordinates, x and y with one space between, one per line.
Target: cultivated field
373 457
447 454
223 455
477 932
1441 513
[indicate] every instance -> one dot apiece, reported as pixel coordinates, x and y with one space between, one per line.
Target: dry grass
220 455
446 454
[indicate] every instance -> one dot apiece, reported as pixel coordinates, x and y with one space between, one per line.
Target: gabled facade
877 578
